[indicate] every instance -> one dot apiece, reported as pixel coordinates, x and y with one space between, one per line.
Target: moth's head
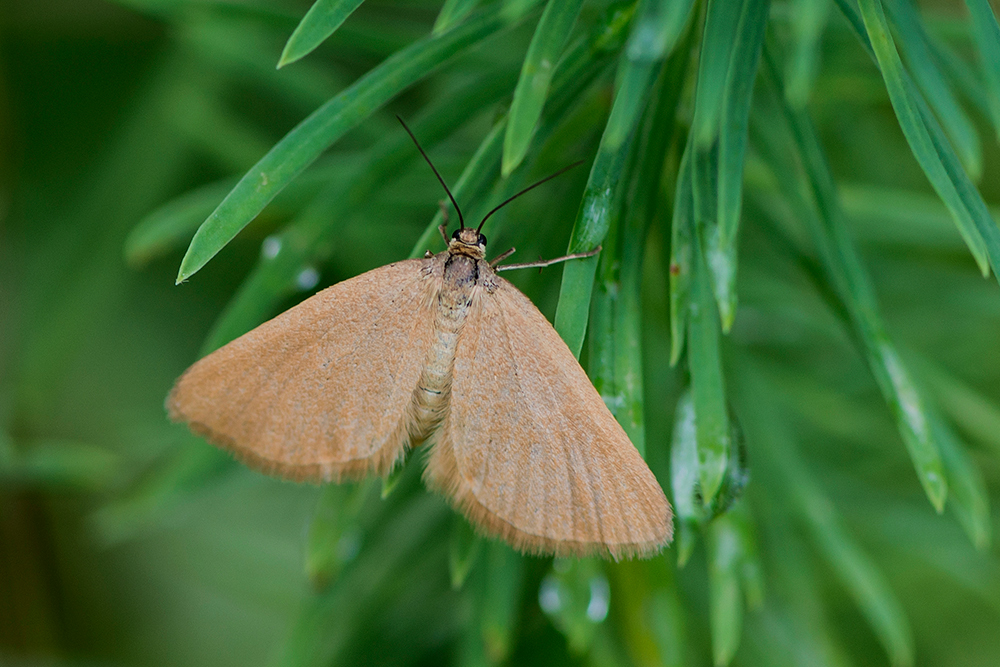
467 241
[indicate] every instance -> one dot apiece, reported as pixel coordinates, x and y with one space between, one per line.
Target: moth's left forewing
528 449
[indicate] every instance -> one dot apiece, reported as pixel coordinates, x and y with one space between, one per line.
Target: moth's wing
322 391
530 452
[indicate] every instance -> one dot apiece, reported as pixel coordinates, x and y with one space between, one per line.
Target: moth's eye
482 240
455 234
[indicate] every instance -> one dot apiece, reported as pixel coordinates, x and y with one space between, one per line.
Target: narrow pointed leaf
927 141
707 382
501 600
860 577
969 497
721 22
857 573
848 276
657 28
322 19
681 256
935 87
463 550
593 217
536 74
987 35
452 12
735 115
725 598
809 19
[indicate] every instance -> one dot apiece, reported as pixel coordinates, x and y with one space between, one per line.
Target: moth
439 352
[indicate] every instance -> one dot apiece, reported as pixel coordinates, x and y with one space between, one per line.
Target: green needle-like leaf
927 141
987 35
464 548
969 497
452 12
721 24
311 137
685 476
847 274
809 19
707 382
658 26
853 567
721 241
501 600
725 598
173 222
536 73
735 115
681 255
593 219
322 19
935 87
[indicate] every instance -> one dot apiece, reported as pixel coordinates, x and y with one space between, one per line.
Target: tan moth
439 351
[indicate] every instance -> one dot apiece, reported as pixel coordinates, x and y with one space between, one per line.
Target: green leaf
576 595
311 137
322 19
654 36
464 548
736 101
681 255
616 321
174 222
929 145
593 218
334 534
536 74
707 381
852 566
986 32
847 274
452 12
501 600
54 464
935 87
685 476
808 22
721 242
860 577
658 26
725 597
717 46
969 496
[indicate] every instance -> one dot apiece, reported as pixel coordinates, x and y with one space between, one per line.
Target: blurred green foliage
789 317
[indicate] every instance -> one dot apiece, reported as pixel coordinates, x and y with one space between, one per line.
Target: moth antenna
535 185
461 220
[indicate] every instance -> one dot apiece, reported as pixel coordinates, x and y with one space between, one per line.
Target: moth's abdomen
433 392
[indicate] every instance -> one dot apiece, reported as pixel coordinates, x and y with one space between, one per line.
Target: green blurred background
854 380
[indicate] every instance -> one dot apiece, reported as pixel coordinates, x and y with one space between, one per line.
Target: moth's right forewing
322 391
530 452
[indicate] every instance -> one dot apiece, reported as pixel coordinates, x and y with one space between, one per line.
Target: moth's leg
502 258
545 262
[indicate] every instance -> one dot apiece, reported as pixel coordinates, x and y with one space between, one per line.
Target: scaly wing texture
528 449
322 391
